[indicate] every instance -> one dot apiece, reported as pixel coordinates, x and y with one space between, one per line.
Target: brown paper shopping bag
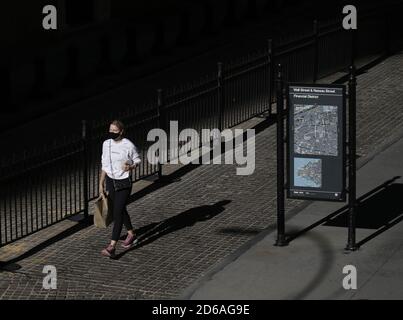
102 214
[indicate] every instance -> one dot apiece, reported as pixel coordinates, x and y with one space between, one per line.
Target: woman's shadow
154 231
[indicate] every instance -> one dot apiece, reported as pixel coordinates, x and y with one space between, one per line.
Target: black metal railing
57 182
34 195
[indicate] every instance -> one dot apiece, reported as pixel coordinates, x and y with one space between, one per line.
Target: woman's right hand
101 191
102 183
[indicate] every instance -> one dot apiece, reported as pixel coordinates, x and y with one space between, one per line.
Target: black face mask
113 135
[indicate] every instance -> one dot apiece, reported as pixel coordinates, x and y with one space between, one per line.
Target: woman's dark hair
119 124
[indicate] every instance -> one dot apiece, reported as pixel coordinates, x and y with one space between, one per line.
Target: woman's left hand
127 167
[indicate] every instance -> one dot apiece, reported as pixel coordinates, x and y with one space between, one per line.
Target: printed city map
308 172
315 131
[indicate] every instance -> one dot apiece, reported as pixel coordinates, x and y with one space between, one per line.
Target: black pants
120 214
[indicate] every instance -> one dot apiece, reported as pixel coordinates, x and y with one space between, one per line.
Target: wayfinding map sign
316 167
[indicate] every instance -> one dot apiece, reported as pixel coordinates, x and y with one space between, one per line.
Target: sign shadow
378 209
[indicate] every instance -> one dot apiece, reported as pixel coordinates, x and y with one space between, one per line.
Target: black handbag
119 184
122 184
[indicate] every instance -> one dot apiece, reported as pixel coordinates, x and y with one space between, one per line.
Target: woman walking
119 158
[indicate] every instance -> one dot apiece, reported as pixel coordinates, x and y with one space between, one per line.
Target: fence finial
220 67
279 71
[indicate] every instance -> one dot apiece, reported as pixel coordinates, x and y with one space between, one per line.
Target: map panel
308 172
316 162
316 130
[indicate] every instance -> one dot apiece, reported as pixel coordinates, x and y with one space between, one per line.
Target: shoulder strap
110 160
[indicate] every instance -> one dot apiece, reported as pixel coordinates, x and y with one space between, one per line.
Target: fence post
316 50
387 33
161 125
1 226
270 55
353 35
281 239
85 169
352 205
220 92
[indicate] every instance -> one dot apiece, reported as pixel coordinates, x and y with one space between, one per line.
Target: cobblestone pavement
207 214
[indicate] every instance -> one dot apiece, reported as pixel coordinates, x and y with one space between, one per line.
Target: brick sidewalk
197 233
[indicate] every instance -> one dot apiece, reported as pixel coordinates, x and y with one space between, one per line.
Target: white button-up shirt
115 155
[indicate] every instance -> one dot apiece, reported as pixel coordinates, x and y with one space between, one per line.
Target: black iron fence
57 182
